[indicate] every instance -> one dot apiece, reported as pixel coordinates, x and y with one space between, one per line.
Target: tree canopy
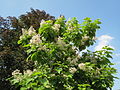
56 51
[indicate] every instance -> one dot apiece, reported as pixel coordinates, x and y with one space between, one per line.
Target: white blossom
85 38
21 37
78 56
42 22
16 72
24 31
69 59
28 72
74 61
72 70
42 47
34 70
82 66
94 38
36 40
56 27
64 75
73 47
31 31
52 75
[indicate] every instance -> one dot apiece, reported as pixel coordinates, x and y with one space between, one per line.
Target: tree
12 55
31 18
56 50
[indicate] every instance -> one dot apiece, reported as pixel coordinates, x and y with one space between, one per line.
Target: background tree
12 55
56 48
32 18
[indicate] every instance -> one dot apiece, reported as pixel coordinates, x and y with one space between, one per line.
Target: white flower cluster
16 72
52 75
65 76
73 60
69 59
17 75
75 49
42 22
36 40
42 47
31 31
28 72
24 31
72 70
56 27
94 38
69 26
85 38
82 66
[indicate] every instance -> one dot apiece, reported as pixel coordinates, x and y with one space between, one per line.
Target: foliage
56 50
12 55
33 18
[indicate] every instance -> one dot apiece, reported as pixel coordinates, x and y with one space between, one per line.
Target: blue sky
107 10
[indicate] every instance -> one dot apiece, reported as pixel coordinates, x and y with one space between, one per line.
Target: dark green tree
12 55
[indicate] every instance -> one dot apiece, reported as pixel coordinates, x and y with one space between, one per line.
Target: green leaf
29 80
28 45
15 81
88 19
34 56
58 70
37 73
23 88
44 81
19 41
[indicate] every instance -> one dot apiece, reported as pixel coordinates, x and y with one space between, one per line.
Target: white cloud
103 41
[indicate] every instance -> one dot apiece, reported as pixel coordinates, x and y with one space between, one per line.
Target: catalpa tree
59 64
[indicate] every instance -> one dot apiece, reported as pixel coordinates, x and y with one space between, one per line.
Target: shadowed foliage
12 55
